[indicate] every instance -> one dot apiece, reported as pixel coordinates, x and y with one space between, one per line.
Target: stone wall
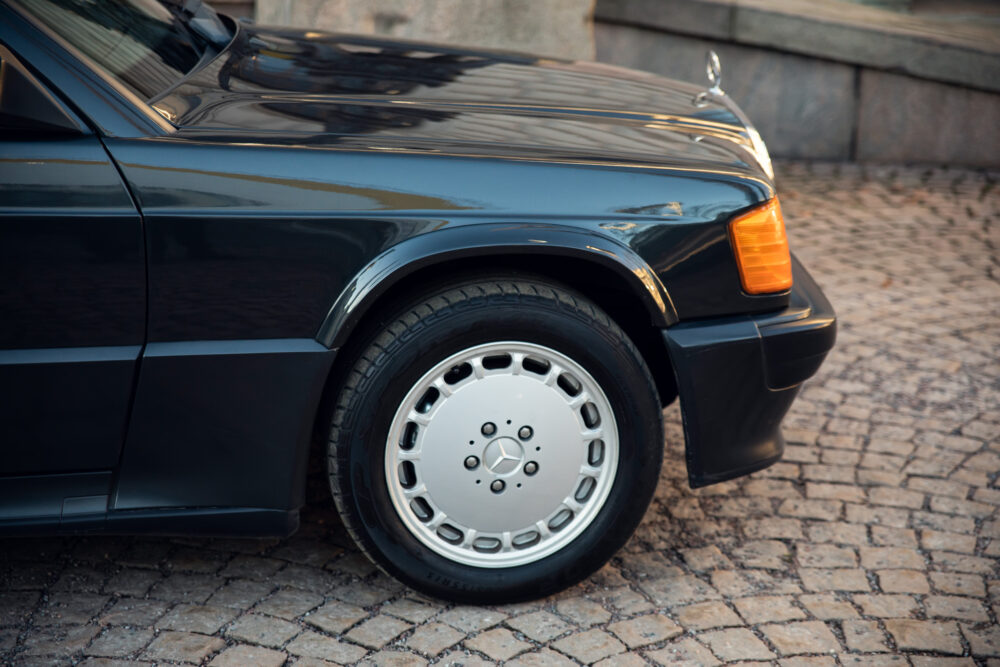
562 28
795 121
832 80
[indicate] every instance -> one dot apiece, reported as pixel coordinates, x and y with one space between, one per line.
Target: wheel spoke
418 490
516 363
442 387
418 418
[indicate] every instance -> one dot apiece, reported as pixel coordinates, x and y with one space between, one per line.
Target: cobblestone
959 584
984 641
886 606
501 644
950 606
590 646
314 645
263 630
875 541
768 609
196 618
736 644
814 579
540 625
377 631
707 615
903 581
804 637
825 555
119 641
182 647
242 655
433 638
925 635
645 630
335 617
686 652
864 636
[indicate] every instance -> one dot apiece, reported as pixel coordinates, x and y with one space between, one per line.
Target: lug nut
471 462
525 433
497 486
489 428
530 468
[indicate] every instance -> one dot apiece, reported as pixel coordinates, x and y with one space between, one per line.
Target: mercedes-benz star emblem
503 456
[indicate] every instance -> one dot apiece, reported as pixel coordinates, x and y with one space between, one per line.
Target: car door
72 303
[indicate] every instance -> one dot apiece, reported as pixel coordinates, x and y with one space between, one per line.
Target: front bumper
737 377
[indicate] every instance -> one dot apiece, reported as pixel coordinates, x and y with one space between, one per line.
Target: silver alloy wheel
501 454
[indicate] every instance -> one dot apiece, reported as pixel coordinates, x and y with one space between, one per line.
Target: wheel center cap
503 456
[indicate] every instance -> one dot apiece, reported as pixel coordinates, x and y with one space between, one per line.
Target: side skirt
205 521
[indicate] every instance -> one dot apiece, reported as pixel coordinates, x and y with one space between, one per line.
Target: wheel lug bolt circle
525 433
530 468
489 428
471 462
497 485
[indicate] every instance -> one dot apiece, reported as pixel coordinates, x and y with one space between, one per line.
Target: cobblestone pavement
874 542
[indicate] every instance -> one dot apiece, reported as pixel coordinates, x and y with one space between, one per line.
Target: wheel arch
492 244
603 270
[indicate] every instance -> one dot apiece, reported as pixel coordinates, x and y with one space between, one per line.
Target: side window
26 106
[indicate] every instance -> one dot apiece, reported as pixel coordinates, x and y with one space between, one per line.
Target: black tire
388 362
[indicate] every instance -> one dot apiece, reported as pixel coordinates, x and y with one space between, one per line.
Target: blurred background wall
548 27
861 80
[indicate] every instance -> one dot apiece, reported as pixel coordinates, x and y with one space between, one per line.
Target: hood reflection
340 68
296 88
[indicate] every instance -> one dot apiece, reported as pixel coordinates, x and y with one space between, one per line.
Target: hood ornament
713 68
715 93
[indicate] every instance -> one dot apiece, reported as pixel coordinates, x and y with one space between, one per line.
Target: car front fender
490 240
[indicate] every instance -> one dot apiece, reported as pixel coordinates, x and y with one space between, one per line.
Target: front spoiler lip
738 376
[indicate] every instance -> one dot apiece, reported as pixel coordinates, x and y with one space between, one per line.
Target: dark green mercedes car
467 281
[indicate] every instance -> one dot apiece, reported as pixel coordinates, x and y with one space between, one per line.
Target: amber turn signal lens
762 249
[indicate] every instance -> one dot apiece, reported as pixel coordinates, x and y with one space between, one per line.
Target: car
468 281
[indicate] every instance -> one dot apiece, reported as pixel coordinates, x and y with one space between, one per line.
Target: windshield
142 43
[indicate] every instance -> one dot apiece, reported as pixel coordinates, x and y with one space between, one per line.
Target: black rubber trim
794 348
205 521
738 376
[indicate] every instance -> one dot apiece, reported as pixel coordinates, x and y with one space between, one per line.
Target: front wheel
496 441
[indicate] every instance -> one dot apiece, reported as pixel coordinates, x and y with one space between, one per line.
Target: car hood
359 93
